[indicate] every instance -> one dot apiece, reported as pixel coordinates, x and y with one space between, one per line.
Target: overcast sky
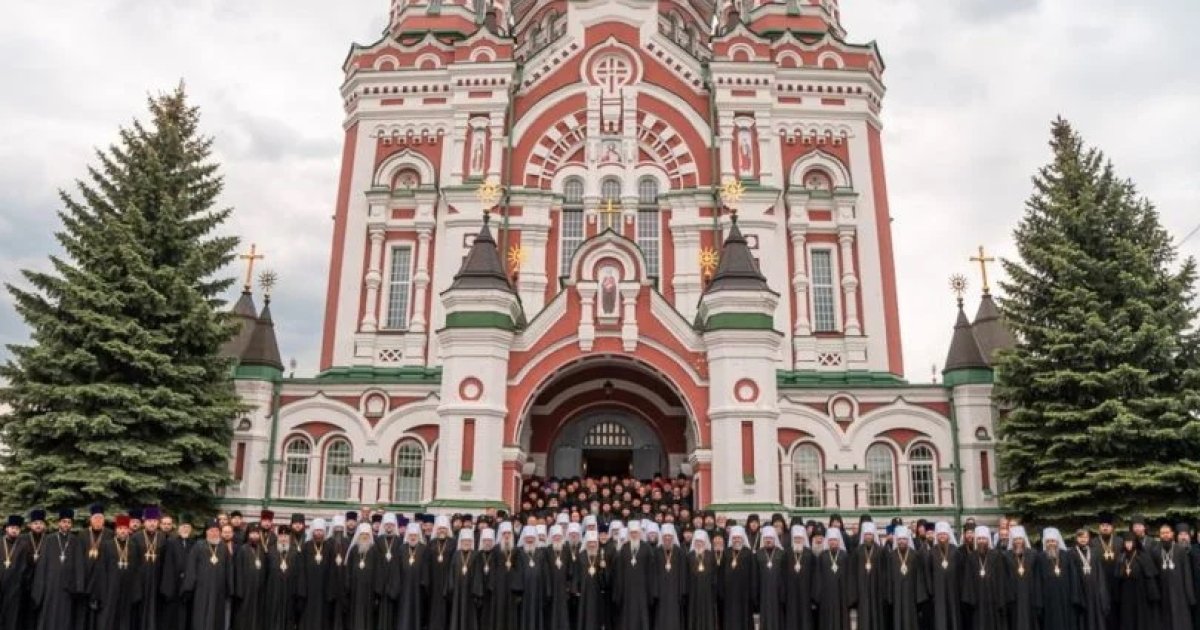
973 86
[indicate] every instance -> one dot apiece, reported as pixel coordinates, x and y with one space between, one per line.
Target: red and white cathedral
585 237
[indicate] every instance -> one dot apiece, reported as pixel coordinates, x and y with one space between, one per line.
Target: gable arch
824 161
386 173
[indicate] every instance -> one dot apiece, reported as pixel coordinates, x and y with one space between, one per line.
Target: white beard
364 547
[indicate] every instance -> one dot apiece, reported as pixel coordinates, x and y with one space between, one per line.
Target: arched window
295 468
336 483
648 223
920 470
610 190
571 232
806 476
407 472
881 481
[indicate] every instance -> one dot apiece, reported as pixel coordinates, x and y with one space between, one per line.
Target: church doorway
607 442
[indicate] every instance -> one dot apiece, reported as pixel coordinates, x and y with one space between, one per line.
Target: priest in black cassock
409 586
1175 580
702 613
531 582
116 579
319 587
281 594
1106 546
1094 602
59 576
833 584
634 577
1137 594
868 577
149 545
500 609
589 576
800 565
177 609
943 572
558 562
465 586
733 585
1025 571
207 580
362 563
767 585
249 581
1060 584
35 540
488 563
387 545
12 573
671 586
92 539
438 553
904 582
987 587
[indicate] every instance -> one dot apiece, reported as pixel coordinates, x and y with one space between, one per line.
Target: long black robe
464 589
57 581
1061 591
176 609
733 589
987 589
319 585
13 573
338 578
1137 591
150 548
360 581
531 581
635 576
1093 583
117 582
558 563
438 553
1025 573
28 611
671 570
702 613
588 584
87 606
800 567
250 571
1175 585
388 547
943 569
500 610
408 587
869 586
208 585
281 593
1107 551
767 587
905 588
834 590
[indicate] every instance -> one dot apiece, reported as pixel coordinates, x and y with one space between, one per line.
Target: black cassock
905 588
942 577
249 581
87 605
1137 591
150 548
833 590
767 586
408 587
1107 551
319 588
558 563
1061 591
733 587
438 553
464 589
588 584
701 588
207 581
987 589
1093 584
1024 570
634 578
389 548
500 610
177 609
671 568
361 601
798 592
57 580
12 581
868 587
36 545
281 594
1175 585
116 583
531 582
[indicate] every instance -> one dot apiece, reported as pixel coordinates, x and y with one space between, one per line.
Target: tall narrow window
824 313
648 223
336 483
239 462
920 467
806 476
399 283
571 234
295 468
407 476
610 204
881 484
610 190
985 472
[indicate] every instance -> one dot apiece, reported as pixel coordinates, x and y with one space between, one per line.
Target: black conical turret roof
263 349
737 270
990 329
964 350
245 315
482 268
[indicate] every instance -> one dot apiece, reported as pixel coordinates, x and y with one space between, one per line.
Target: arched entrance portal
607 442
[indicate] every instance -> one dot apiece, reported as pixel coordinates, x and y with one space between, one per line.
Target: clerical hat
212 524
15 520
352 516
151 513
1107 518
37 515
123 520
377 518
135 513
266 515
66 513
235 514
96 508
298 518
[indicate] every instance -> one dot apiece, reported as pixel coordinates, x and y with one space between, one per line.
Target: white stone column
849 282
421 280
803 325
533 269
427 473
496 136
687 282
787 492
629 326
587 316
457 148
725 136
373 279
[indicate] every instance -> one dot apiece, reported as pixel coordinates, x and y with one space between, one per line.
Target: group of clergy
142 572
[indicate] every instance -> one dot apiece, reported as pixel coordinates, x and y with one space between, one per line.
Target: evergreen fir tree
1103 386
122 396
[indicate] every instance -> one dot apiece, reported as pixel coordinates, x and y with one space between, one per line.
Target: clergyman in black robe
281 594
149 545
904 582
1175 581
1137 593
177 609
767 580
59 577
388 548
465 586
362 563
92 540
438 554
1059 583
634 577
986 584
558 563
1025 572
531 582
834 584
943 571
1093 596
116 580
35 540
409 585
868 556
250 569
799 567
319 591
1106 546
670 589
733 584
588 579
12 573
500 607
207 581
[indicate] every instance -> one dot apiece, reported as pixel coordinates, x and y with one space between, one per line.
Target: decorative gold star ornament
958 285
732 192
516 256
489 193
709 259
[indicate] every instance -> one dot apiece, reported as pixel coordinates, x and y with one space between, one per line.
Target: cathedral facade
586 237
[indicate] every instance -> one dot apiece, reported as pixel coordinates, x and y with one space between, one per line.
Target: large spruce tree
1102 390
122 397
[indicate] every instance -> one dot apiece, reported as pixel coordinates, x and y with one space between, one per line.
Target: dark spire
263 349
245 315
964 351
482 269
737 270
990 329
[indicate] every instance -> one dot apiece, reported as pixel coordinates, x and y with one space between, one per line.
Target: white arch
900 415
829 54
406 158
483 54
824 161
396 425
322 409
789 54
600 247
378 65
741 47
699 125
437 61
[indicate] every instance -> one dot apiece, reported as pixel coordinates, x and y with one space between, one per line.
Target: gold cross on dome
250 257
983 259
610 213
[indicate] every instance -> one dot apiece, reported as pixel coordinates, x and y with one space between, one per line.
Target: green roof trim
812 379
746 507
373 375
739 321
967 376
474 504
257 373
479 319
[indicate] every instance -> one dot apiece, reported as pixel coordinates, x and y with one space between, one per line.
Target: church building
588 237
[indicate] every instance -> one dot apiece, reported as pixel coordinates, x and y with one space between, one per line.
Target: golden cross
983 259
250 258
608 213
